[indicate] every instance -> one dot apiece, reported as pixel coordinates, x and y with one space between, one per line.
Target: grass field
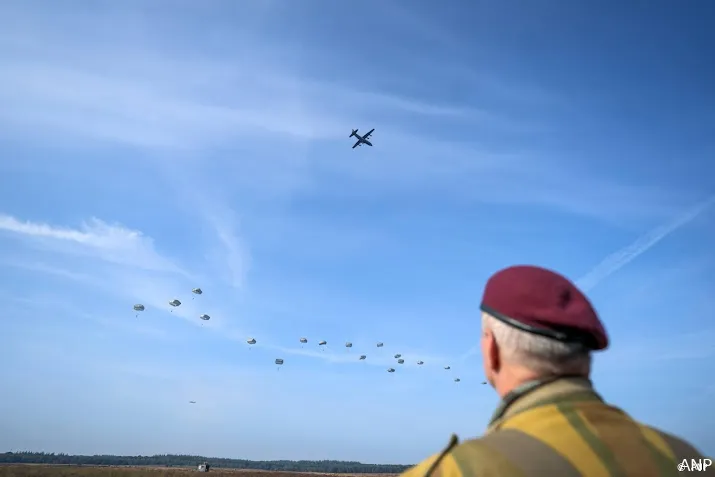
35 470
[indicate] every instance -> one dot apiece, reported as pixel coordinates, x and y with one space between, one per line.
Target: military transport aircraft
361 139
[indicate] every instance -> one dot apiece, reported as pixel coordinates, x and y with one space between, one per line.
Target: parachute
398 356
447 367
138 307
304 340
400 361
196 291
420 363
362 357
205 317
174 303
322 343
279 362
484 382
348 345
456 380
251 341
390 370
380 345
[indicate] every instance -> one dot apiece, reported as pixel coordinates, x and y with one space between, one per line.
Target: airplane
361 139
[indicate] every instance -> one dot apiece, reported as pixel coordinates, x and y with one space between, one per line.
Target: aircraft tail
353 133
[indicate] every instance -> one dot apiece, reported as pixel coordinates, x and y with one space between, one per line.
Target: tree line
172 460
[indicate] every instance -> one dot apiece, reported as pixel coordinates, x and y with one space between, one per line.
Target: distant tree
171 460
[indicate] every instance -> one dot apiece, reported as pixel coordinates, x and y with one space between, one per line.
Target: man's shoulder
471 457
681 448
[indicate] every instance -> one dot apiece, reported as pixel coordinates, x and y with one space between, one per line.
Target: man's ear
493 353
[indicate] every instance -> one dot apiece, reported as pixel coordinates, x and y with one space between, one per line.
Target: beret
540 301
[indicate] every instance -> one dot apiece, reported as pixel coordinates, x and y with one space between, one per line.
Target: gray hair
542 355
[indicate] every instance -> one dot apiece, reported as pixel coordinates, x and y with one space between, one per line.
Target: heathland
41 470
38 464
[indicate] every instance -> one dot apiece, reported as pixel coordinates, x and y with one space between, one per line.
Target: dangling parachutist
196 291
303 341
250 341
174 303
279 362
322 343
138 307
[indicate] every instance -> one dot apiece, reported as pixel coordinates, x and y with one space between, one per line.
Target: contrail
619 259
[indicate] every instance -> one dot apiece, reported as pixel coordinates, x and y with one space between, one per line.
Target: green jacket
561 428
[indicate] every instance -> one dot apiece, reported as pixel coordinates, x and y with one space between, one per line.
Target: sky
147 148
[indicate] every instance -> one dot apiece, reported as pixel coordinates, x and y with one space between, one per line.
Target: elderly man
538 332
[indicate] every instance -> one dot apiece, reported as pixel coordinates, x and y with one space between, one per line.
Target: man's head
536 324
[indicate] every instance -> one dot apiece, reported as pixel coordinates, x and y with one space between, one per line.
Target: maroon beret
540 301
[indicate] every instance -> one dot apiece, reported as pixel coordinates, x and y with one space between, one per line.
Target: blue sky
152 147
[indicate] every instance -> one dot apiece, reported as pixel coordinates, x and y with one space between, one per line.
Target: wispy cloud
624 256
617 260
112 243
154 291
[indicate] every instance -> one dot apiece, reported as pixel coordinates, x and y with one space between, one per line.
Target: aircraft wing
356 144
368 134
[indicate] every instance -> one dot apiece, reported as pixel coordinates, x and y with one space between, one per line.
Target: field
36 470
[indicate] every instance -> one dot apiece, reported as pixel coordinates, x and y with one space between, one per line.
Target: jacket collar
533 393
